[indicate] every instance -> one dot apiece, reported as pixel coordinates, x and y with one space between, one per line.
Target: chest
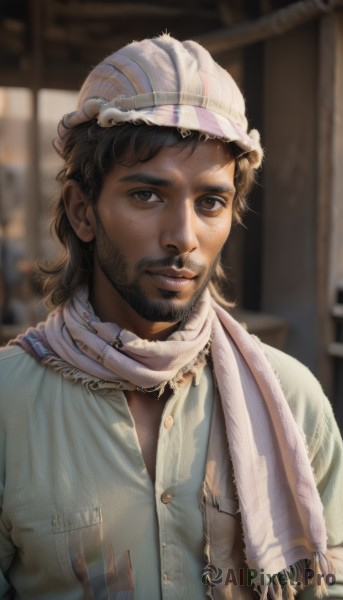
147 410
88 495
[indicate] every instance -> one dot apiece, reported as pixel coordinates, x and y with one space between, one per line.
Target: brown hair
90 153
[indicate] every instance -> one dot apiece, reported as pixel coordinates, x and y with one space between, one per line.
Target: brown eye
146 196
212 203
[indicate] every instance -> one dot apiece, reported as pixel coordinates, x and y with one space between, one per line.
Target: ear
79 211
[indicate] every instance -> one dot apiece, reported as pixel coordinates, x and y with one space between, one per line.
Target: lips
173 280
177 273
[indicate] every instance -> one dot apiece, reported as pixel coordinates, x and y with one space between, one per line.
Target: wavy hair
90 153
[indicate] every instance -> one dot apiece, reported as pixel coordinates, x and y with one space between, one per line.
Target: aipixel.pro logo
211 575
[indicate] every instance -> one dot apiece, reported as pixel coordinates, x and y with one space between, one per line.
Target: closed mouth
174 273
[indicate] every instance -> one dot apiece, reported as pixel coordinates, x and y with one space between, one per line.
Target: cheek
123 231
215 238
134 229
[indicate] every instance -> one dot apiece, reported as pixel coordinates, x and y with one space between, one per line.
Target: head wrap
165 82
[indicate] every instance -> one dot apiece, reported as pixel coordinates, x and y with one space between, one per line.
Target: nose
179 233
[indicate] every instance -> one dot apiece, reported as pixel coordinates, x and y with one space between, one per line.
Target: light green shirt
80 515
77 489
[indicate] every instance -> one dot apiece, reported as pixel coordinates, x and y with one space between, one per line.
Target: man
151 448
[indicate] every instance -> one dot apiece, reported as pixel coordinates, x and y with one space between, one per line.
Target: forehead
198 158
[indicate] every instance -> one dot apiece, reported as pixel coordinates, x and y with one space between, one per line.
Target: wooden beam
105 10
280 21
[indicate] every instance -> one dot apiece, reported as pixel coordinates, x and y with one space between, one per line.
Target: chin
168 310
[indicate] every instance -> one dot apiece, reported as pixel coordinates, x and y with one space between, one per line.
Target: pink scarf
264 441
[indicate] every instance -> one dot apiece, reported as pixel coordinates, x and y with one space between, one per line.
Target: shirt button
168 423
166 497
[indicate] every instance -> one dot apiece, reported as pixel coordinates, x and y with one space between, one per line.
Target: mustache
177 262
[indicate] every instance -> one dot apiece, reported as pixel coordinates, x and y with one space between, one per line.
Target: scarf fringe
94 384
321 565
276 591
290 581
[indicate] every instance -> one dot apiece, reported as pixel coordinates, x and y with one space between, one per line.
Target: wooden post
33 206
330 184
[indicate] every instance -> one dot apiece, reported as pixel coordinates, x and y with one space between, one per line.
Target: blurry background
285 268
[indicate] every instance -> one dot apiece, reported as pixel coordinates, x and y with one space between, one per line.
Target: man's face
159 229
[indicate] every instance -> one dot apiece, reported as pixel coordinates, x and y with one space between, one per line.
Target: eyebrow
148 178
218 189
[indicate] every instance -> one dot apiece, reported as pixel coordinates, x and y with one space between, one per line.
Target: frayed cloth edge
95 384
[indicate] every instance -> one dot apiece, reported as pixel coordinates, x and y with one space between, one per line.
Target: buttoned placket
180 471
167 472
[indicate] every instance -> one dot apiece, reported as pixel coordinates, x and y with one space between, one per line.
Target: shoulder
314 416
9 352
21 377
294 377
305 396
14 361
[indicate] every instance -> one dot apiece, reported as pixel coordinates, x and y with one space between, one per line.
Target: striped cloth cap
163 81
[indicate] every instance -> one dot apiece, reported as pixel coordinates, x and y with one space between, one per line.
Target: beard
115 268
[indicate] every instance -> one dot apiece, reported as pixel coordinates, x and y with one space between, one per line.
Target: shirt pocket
225 549
85 558
223 529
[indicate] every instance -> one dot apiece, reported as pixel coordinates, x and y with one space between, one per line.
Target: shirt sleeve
327 463
7 548
314 416
7 553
